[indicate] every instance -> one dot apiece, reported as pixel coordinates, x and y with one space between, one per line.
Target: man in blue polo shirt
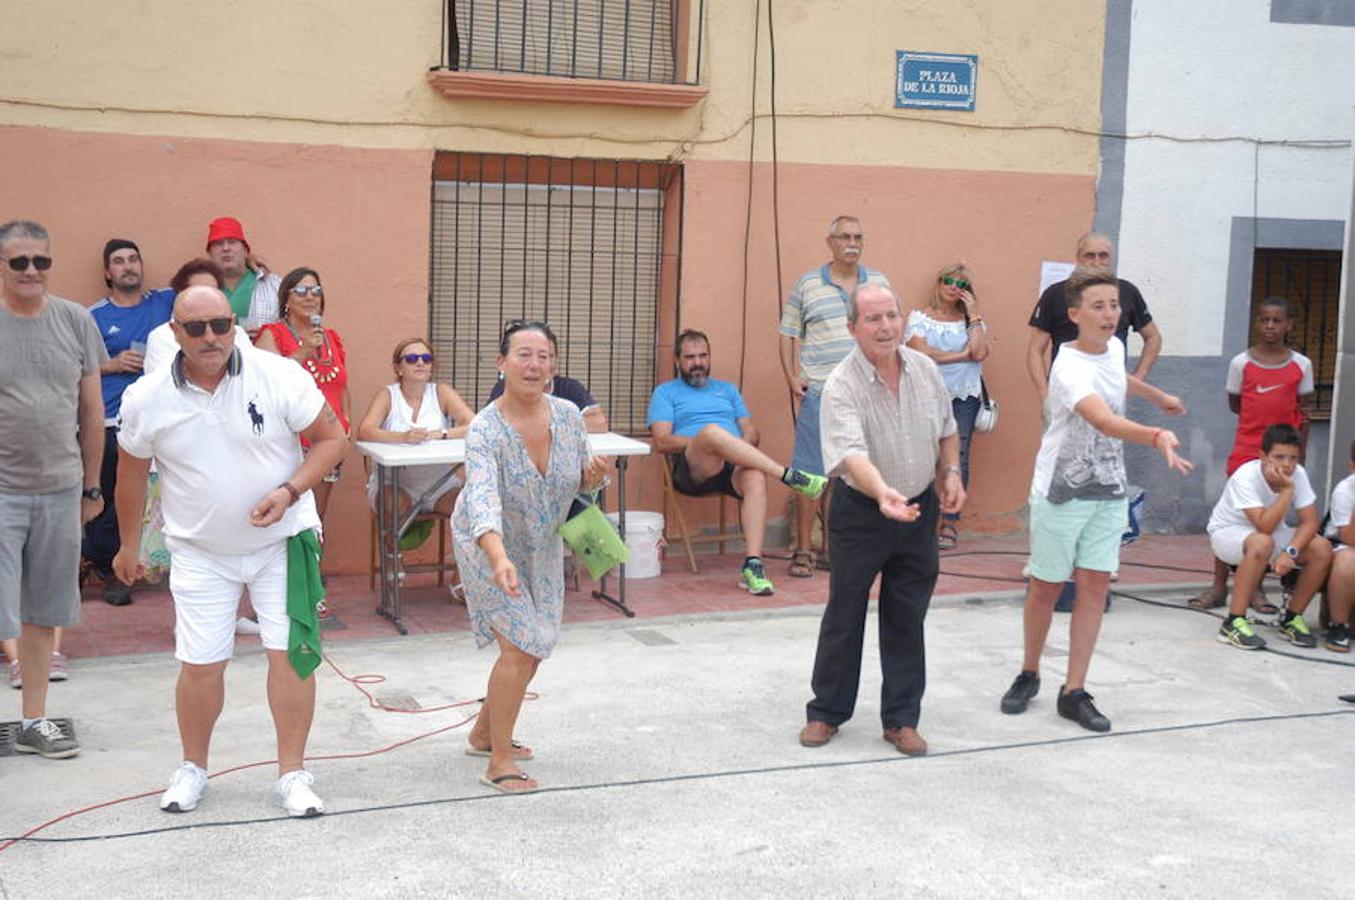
704 427
125 317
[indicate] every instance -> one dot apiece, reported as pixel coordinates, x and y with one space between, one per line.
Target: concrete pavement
668 750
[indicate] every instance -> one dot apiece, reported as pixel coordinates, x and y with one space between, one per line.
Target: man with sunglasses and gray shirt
224 427
50 355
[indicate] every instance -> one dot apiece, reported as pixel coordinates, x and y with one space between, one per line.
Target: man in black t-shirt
1050 325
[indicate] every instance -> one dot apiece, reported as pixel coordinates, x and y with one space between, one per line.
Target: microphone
316 320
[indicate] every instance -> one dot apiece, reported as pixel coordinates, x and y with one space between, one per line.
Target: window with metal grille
620 40
1311 281
578 244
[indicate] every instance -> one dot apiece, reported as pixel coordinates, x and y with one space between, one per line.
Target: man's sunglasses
198 328
314 290
20 263
955 282
413 358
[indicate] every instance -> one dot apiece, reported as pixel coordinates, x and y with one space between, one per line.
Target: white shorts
1227 542
206 589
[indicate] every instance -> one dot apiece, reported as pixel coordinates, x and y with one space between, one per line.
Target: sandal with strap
1208 599
947 537
802 564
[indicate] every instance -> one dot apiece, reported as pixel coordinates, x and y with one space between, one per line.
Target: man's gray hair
838 220
1092 236
17 228
851 300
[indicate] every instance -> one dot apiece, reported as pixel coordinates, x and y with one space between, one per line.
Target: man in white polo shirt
223 428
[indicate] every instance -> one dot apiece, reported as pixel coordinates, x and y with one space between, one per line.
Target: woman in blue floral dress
526 459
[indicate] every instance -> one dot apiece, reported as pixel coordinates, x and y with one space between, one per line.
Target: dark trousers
864 543
966 411
101 533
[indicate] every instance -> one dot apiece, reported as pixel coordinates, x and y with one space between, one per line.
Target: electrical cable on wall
748 212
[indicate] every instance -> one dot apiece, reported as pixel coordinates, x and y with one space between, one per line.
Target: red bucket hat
226 227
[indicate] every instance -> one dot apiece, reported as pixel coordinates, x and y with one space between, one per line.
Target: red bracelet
1157 433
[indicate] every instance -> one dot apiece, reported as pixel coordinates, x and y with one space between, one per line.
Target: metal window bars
613 40
1311 281
578 244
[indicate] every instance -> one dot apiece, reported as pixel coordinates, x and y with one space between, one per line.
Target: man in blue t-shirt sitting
125 317
704 427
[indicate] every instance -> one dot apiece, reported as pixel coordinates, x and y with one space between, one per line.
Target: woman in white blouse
412 410
951 331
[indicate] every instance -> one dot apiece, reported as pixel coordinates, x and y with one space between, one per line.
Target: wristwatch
1292 552
92 493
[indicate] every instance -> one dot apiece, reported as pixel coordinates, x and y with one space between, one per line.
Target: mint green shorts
1082 534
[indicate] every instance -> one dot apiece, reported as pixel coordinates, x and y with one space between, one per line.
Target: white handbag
986 420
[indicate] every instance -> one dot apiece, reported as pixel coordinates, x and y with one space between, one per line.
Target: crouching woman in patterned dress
526 459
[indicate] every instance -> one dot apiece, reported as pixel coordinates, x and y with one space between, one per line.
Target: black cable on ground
1266 649
710 776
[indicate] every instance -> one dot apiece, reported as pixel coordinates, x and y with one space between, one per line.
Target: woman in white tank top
412 410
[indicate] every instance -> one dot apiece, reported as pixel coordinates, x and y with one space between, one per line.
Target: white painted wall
1220 68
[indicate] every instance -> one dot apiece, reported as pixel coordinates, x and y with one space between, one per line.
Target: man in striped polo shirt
814 339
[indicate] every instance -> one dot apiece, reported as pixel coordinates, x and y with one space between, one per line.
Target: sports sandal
1207 599
802 564
947 537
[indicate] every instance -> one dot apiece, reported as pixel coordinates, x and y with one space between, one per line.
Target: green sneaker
1295 630
753 579
1236 630
809 485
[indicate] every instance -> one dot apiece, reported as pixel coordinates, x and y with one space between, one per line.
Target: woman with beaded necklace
299 335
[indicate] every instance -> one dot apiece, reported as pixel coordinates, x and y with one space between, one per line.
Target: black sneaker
118 594
1236 630
1019 695
1077 705
1294 628
1338 638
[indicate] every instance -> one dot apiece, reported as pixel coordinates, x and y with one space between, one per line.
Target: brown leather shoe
906 740
816 733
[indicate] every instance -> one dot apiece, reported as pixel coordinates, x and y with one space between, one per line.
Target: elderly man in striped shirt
888 431
814 339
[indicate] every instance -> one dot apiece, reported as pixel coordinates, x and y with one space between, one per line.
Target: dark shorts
722 482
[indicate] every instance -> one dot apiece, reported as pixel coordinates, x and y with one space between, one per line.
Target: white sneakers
294 794
186 787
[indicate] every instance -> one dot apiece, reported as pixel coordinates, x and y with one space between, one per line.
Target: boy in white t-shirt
1341 578
1078 504
1247 530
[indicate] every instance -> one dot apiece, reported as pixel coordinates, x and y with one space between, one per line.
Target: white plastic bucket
643 537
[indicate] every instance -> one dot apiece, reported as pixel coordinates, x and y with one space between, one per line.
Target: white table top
454 451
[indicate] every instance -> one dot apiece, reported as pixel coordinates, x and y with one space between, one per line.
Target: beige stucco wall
352 73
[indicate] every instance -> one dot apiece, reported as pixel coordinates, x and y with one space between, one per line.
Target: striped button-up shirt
816 315
899 434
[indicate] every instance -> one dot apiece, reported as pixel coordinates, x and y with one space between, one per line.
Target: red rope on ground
357 681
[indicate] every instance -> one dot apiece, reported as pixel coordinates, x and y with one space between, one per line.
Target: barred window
625 40
1311 281
578 244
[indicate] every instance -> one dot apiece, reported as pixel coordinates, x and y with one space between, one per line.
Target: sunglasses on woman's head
198 328
960 283
314 290
413 358
20 263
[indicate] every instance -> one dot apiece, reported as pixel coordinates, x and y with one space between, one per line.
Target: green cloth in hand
304 591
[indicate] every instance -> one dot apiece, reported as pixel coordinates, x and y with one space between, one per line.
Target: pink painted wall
360 217
1002 224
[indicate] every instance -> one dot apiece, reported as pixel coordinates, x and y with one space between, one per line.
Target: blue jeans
966 411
